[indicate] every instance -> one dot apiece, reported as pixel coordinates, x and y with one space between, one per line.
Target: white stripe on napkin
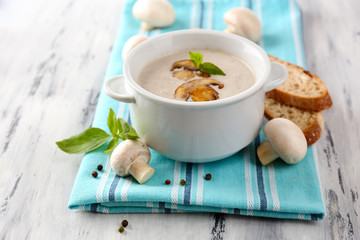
249 191
125 188
104 178
273 188
259 14
175 188
210 16
193 14
224 210
151 205
294 26
200 185
105 210
249 213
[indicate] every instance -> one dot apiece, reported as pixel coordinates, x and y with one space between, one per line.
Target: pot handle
277 77
115 88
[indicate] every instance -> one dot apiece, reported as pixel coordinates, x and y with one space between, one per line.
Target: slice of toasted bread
302 89
310 122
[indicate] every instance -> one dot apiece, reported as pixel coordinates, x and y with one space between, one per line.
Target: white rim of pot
220 102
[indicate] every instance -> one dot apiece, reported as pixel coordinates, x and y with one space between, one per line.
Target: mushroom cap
131 43
244 22
157 13
286 139
126 153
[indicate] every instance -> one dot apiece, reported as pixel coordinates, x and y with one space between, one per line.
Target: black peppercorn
100 167
167 182
124 223
208 176
94 174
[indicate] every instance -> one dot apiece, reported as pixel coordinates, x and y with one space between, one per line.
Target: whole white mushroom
132 157
154 13
131 43
285 140
244 22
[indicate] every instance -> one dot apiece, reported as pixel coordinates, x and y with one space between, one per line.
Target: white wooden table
53 56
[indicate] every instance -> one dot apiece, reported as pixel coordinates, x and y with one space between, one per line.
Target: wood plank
53 56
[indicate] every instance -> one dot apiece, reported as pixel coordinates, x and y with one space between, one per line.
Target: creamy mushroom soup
175 76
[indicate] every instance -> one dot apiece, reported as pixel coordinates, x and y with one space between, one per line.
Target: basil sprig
207 67
93 138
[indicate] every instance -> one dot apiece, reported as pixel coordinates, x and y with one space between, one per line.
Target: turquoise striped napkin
240 184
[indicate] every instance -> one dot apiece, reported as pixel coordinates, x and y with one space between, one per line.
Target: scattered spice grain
124 223
121 229
100 167
182 182
94 174
167 182
208 176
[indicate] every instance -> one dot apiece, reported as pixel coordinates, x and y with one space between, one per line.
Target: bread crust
310 103
312 133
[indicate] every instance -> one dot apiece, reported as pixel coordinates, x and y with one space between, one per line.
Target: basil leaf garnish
207 67
211 69
93 138
85 141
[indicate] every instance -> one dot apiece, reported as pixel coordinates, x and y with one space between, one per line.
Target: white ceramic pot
196 131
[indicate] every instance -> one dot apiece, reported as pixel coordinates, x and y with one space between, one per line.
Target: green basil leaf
112 144
197 58
128 131
85 141
132 134
112 122
122 136
120 128
124 125
211 69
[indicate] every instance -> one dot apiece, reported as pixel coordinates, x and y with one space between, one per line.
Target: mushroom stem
146 27
266 153
141 171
